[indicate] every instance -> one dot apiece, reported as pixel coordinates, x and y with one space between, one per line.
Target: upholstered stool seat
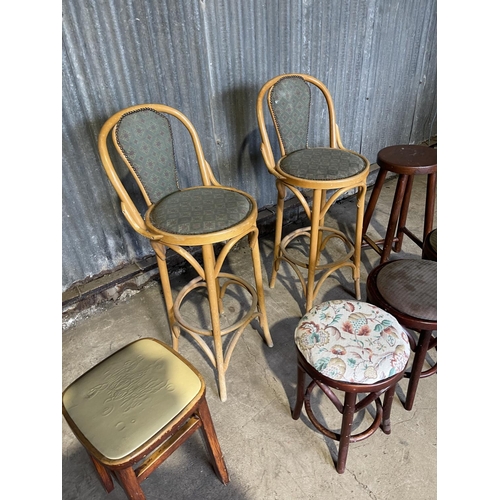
407 289
200 210
356 348
430 248
131 404
321 164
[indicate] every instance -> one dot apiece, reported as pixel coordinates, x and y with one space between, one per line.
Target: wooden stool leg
345 432
416 369
253 241
358 240
430 202
278 231
212 442
313 247
393 219
213 300
386 415
161 259
377 188
301 376
404 214
104 475
130 484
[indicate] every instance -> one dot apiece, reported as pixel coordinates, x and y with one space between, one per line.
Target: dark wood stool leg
416 369
386 416
212 442
301 376
377 188
346 429
104 475
430 202
393 219
130 484
404 214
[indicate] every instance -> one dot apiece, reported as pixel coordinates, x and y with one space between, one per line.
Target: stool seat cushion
200 210
126 399
352 341
322 164
410 286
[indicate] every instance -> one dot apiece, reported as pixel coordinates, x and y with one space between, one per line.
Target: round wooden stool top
408 159
407 289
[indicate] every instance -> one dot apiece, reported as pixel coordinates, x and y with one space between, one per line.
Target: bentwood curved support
177 219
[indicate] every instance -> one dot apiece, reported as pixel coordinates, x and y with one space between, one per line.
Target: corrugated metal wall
209 58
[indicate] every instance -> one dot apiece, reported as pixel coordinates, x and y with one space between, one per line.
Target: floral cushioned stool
356 348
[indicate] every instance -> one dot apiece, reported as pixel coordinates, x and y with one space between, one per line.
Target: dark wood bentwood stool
355 348
134 409
406 161
407 289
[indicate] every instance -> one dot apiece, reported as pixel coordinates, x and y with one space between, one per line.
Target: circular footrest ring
306 231
199 282
334 435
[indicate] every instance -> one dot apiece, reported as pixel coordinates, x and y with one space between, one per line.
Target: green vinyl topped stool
134 409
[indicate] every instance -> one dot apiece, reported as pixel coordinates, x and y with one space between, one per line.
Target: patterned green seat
322 164
200 210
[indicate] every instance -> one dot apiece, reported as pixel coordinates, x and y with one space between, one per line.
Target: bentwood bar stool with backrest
329 172
406 161
197 216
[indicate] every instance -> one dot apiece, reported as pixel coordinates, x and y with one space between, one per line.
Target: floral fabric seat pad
353 341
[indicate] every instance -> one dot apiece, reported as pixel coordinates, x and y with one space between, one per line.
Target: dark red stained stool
355 348
407 289
406 161
430 248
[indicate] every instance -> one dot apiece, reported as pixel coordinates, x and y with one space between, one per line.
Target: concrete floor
268 454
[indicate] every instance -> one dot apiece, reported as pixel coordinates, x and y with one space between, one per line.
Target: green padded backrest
290 100
145 138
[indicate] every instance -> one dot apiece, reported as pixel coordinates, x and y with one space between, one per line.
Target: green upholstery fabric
410 286
290 101
145 138
200 210
353 341
322 164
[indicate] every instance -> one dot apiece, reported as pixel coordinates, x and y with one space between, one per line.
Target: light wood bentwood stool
406 161
326 173
179 219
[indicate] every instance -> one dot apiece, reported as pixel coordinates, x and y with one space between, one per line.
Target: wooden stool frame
348 408
131 470
321 203
396 228
210 274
